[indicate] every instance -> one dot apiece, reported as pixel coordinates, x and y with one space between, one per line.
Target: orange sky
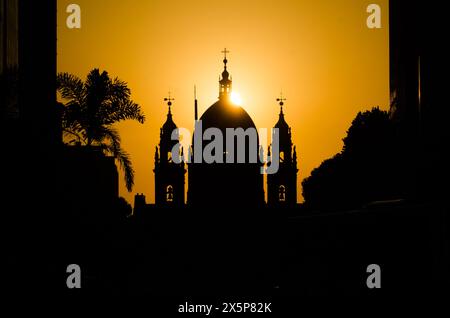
320 53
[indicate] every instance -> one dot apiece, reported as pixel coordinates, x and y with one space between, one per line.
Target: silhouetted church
226 184
223 184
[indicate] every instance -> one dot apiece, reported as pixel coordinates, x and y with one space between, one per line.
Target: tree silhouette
91 109
365 170
370 134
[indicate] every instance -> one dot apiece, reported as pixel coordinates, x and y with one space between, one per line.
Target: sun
236 98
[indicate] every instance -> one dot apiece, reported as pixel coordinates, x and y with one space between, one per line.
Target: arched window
281 156
282 193
169 193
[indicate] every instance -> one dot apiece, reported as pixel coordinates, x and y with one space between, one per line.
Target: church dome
223 114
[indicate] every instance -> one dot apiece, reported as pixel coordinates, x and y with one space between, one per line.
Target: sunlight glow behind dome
236 99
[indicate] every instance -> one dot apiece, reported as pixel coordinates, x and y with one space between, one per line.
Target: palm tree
91 109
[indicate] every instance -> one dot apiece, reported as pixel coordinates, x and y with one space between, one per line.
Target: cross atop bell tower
281 100
169 100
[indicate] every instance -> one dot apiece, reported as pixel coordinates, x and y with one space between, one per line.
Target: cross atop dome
225 61
225 82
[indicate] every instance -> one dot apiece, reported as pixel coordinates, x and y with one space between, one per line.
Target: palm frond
111 144
97 87
124 110
118 106
74 133
119 89
124 160
125 163
109 135
70 87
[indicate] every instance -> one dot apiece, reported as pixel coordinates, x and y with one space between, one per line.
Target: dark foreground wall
329 254
172 252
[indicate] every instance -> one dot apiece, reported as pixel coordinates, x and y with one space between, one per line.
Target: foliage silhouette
365 170
91 109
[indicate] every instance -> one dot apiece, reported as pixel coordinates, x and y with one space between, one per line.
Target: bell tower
225 82
169 175
282 186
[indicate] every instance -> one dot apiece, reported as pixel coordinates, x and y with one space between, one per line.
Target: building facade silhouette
28 69
418 63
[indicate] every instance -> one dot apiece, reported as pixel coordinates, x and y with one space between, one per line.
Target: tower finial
225 81
281 100
169 100
195 103
225 61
